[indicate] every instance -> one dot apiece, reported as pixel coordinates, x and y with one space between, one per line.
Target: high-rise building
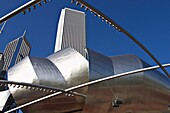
1 62
67 71
15 51
1 69
71 31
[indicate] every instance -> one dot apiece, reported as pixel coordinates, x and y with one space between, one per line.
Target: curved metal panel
47 73
99 96
125 63
142 92
100 66
4 95
22 72
43 71
147 91
72 65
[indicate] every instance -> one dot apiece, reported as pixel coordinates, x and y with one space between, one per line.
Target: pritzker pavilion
77 79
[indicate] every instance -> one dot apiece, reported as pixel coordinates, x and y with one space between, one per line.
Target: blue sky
147 20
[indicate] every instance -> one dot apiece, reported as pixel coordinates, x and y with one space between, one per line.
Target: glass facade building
1 71
15 51
71 31
1 62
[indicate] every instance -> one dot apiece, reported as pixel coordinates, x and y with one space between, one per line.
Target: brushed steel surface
3 98
44 72
144 92
99 96
47 73
100 66
72 65
23 72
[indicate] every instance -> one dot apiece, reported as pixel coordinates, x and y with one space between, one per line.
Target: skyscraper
71 31
15 51
1 62
1 67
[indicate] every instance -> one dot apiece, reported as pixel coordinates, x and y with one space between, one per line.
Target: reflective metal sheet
72 65
59 104
43 71
143 92
99 96
4 95
100 66
47 73
22 72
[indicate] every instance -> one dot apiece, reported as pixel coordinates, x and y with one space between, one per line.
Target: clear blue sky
147 20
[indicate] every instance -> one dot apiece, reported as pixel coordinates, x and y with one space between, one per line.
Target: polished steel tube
88 83
18 10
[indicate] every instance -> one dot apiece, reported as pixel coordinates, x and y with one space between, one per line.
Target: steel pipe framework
87 84
96 12
119 28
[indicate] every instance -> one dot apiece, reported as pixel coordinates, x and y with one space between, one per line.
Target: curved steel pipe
121 29
18 10
88 83
96 12
22 84
39 87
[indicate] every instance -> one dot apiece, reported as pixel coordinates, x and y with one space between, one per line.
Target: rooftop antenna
24 33
2 28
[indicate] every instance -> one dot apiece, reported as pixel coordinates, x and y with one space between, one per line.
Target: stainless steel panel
47 73
99 96
4 95
125 63
22 72
43 71
143 92
100 66
72 65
